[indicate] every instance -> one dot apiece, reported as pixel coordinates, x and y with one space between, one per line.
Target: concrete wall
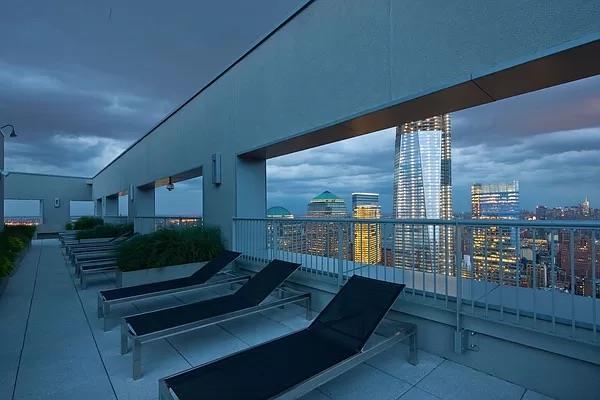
46 188
336 61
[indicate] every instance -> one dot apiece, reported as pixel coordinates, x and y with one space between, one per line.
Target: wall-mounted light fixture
216 169
170 185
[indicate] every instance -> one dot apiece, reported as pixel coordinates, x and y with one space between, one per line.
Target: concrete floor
52 347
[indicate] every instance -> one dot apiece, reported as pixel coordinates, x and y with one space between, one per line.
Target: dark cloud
548 140
568 107
88 78
82 80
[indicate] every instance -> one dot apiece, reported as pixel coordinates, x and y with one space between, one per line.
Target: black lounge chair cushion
354 313
251 294
261 372
199 277
176 316
339 332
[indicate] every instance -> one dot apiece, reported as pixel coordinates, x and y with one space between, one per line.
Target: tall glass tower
367 236
423 190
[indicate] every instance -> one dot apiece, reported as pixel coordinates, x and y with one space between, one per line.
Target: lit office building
423 190
322 237
495 248
284 234
367 236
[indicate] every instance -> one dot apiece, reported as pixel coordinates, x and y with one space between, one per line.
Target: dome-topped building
279 212
327 205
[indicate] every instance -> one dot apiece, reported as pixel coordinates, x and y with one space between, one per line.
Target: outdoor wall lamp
170 185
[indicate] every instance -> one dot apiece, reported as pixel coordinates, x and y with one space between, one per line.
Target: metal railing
115 219
542 275
169 222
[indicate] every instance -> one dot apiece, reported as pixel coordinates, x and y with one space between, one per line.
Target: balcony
54 347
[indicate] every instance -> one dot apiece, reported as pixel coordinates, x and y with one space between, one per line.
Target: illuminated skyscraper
495 248
423 190
367 236
585 207
322 237
284 233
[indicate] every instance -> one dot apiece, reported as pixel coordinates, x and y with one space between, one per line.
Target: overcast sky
82 80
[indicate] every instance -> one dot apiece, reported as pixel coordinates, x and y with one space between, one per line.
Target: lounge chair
196 281
291 366
95 267
154 325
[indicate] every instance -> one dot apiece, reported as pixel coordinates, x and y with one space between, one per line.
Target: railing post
340 269
233 235
459 337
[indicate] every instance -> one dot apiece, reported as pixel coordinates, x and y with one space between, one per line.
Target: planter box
19 259
151 275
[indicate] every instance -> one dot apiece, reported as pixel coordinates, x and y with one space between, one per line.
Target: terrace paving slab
67 355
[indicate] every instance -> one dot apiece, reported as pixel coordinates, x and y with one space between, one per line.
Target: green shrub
13 239
104 231
87 223
5 266
169 247
69 226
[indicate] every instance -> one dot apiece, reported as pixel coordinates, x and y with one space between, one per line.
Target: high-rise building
495 247
323 238
423 190
585 207
284 234
367 236
279 212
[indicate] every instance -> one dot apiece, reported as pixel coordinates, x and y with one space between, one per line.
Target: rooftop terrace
52 346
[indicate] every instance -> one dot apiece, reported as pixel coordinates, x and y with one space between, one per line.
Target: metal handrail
446 222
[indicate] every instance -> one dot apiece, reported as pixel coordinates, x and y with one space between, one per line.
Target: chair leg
137 359
308 305
100 306
124 341
83 280
412 355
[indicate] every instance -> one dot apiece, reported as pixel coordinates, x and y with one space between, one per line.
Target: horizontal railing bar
447 222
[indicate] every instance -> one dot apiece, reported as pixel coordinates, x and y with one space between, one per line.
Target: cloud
81 81
548 140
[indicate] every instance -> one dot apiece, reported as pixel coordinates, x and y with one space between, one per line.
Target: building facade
423 190
283 233
327 238
367 236
494 248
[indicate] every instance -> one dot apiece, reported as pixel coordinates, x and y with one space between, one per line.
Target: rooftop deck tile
67 355
365 382
455 381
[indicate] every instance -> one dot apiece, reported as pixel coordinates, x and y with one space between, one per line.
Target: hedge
84 223
12 241
169 247
104 231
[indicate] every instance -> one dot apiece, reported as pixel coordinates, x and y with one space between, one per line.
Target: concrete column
98 209
111 206
242 193
142 205
54 216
